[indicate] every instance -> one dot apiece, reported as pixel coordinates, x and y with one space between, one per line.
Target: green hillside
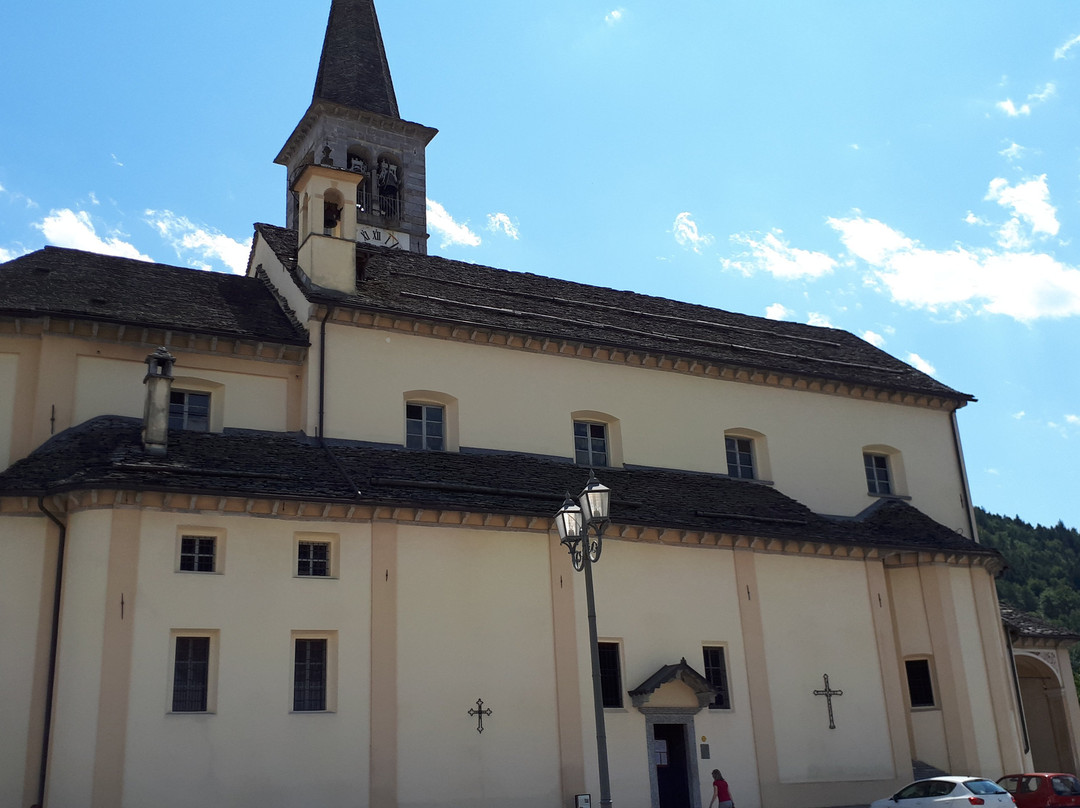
1043 577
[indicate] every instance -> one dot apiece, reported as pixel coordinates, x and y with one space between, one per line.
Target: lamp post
581 528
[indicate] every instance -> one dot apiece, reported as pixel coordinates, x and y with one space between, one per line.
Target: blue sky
909 172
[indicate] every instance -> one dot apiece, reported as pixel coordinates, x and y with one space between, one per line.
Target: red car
1042 790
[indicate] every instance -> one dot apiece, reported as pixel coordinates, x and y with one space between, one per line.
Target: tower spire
353 70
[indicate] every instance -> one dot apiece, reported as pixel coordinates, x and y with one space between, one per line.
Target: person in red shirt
721 794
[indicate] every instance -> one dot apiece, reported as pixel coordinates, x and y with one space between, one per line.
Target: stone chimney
158 381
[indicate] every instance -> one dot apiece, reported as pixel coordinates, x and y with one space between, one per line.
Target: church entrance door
672 767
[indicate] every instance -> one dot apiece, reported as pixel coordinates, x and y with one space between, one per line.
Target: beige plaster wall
26 577
9 366
816 621
517 400
248 399
475 622
253 751
664 603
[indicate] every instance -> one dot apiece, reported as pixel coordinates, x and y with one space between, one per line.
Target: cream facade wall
474 621
522 401
663 604
9 366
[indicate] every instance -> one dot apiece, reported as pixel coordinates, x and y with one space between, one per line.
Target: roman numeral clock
382 237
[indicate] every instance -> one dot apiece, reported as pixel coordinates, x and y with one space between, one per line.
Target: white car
949 791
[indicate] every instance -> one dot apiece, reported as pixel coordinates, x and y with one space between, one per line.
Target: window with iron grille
313 558
191 675
877 473
740 457
590 444
197 553
610 675
920 685
425 426
309 675
716 675
189 410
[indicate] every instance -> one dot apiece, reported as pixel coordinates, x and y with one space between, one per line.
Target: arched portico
1046 712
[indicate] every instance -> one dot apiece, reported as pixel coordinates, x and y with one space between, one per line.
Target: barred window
920 683
313 558
610 675
191 675
197 553
309 675
716 675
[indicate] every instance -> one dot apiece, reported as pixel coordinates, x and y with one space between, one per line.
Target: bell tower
356 169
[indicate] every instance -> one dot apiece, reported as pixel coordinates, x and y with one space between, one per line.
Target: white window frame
214 636
216 391
612 432
759 453
894 464
434 398
332 540
200 532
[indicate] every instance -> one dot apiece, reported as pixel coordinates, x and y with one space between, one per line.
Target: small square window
313 558
740 457
590 444
716 675
877 473
920 683
610 674
198 553
425 426
313 673
188 410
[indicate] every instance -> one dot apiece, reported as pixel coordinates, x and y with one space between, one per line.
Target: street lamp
581 528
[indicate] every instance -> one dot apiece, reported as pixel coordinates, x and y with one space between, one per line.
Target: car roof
1039 774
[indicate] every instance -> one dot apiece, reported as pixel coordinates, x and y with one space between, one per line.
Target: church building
289 539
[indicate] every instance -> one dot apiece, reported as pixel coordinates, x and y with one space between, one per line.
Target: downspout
968 506
54 638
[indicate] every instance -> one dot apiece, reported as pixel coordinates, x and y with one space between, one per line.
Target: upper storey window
590 444
189 410
359 163
388 187
878 478
425 426
740 457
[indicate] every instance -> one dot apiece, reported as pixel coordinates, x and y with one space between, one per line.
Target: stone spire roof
353 70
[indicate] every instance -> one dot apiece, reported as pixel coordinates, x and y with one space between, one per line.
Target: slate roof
430 287
1022 624
71 283
106 452
353 70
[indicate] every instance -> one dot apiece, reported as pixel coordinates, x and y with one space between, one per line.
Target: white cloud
75 229
1062 51
687 234
116 160
200 245
971 218
775 256
1072 419
1019 415
615 16
778 311
1013 152
452 232
1041 95
816 318
1029 201
1009 108
995 472
6 255
1022 285
874 338
921 364
94 199
500 222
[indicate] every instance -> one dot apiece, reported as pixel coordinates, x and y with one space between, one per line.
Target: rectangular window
877 473
590 444
309 674
425 426
920 685
610 676
313 558
189 410
740 457
716 675
197 553
191 675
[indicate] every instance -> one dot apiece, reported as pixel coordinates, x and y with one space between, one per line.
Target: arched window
333 207
388 182
597 439
431 421
359 162
884 469
747 454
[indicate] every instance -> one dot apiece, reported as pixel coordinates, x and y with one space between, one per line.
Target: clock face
384 238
